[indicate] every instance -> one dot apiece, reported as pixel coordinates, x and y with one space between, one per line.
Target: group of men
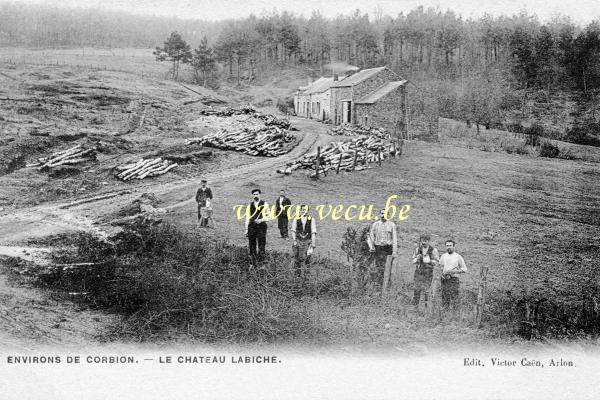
303 231
303 228
382 241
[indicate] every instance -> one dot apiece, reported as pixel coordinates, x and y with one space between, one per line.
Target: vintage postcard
299 199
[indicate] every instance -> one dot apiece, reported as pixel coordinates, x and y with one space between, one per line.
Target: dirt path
62 217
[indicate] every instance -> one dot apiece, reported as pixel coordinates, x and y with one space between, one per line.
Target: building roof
358 77
319 86
383 91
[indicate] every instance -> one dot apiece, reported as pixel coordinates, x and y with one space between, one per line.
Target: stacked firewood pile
269 141
268 119
144 169
355 130
348 156
74 155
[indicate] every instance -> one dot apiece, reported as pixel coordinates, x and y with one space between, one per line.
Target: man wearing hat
256 227
425 258
203 196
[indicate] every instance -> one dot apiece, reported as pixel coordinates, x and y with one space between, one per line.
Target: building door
347 112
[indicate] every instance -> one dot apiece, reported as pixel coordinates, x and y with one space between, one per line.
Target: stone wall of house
302 105
323 111
337 95
386 113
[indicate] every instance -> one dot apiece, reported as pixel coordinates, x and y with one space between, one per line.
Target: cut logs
74 155
356 130
144 169
268 119
353 155
269 141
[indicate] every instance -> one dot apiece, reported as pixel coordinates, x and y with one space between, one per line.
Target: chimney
335 77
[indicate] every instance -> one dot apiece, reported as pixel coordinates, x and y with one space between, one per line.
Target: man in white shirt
452 265
304 236
383 241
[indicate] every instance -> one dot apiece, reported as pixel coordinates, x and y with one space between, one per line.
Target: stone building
374 97
314 101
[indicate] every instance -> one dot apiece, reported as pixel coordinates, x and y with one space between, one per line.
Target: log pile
74 155
356 130
354 155
269 141
144 169
268 119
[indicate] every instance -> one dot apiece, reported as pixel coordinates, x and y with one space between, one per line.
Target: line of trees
423 42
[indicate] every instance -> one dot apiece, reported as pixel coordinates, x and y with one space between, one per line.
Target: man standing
425 258
203 194
383 242
452 265
282 205
256 227
304 233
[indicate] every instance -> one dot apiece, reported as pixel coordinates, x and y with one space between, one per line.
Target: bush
165 282
585 133
285 106
515 127
547 149
517 148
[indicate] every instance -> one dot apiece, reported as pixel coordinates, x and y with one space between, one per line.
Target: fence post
337 171
354 162
481 296
318 163
379 155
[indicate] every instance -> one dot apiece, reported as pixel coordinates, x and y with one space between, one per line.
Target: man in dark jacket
425 259
256 227
282 205
203 195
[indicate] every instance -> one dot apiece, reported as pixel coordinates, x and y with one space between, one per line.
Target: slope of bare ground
31 319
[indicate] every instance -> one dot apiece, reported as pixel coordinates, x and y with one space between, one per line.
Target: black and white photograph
299 199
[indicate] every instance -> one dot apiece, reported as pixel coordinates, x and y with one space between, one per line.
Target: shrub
517 148
515 127
166 282
286 106
547 149
584 133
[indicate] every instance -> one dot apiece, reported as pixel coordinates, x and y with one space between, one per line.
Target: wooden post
481 296
355 157
318 164
394 147
337 171
379 155
387 274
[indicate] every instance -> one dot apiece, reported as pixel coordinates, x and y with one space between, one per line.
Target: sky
581 11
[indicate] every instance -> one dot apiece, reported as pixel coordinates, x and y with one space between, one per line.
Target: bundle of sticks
354 130
74 155
144 168
352 155
268 141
